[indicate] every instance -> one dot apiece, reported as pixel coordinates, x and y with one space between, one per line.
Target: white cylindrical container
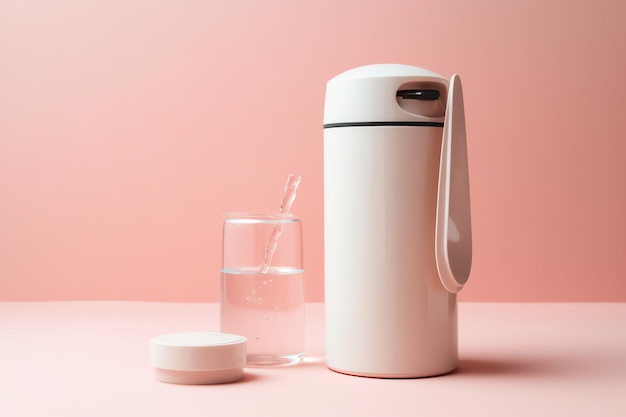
388 313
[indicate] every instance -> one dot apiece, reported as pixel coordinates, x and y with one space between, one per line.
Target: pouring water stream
289 195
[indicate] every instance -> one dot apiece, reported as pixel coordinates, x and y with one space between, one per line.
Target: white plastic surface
198 357
387 314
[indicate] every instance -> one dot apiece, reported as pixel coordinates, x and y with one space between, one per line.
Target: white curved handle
453 233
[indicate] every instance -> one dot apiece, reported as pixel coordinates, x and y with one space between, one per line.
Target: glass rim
255 217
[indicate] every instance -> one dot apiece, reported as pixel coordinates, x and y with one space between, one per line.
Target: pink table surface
92 359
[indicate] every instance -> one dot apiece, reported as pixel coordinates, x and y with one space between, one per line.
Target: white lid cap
369 94
198 357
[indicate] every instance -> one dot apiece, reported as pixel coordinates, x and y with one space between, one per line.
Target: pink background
128 127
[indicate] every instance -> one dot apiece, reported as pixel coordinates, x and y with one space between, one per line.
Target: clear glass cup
262 286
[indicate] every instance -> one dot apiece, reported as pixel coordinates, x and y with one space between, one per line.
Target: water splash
289 195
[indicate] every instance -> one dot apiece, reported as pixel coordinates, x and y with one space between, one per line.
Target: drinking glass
262 286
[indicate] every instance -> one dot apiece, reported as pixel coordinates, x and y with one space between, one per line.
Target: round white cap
198 357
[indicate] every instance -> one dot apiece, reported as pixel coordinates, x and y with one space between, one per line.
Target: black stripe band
368 124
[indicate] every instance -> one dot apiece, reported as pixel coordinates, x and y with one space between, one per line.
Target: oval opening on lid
422 98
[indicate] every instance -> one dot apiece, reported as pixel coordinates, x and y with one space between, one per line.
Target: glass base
258 361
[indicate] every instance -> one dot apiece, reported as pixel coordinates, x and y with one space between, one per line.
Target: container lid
206 352
376 93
